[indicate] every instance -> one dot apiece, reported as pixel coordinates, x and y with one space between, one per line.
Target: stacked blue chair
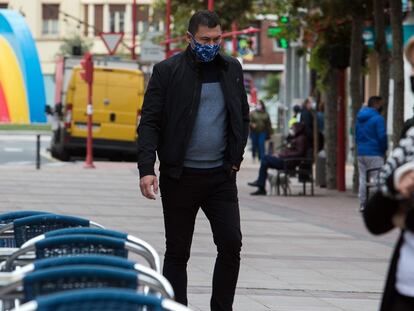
106 299
7 237
63 263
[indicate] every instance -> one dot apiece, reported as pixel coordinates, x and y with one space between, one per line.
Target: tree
229 11
74 45
331 127
357 47
398 68
383 53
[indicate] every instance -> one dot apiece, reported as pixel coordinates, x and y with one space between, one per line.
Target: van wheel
62 155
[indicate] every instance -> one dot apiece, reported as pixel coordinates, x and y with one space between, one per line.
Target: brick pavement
299 253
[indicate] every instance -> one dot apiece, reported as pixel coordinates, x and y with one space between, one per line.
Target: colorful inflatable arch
22 91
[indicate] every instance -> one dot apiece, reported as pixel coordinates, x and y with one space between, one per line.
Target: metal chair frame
296 170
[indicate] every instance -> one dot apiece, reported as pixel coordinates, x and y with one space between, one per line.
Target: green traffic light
284 19
283 43
274 31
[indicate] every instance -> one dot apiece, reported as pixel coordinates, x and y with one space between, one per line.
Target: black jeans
403 303
216 193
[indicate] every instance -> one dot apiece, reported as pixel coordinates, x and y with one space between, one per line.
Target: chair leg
304 187
312 188
278 183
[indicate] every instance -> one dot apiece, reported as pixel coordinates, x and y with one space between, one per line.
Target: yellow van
117 97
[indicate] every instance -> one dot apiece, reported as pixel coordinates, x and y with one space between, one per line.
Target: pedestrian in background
371 142
196 118
296 147
260 129
306 117
295 117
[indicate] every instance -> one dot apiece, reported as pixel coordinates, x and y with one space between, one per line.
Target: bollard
38 152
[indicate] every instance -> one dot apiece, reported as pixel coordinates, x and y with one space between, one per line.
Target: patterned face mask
205 52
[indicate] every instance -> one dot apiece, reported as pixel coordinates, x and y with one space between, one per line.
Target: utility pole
211 5
234 38
168 29
134 29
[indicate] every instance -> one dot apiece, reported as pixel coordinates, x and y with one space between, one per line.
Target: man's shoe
253 184
361 208
259 192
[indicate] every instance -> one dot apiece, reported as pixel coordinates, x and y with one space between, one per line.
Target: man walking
371 142
196 117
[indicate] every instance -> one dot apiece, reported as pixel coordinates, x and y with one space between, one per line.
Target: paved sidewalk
299 253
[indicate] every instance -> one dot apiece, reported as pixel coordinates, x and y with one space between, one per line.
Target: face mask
380 109
259 107
292 132
205 52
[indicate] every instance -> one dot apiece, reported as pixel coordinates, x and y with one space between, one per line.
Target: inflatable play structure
22 92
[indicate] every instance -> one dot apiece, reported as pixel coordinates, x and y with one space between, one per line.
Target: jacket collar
195 63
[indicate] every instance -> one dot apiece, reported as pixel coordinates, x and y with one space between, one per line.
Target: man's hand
149 186
406 184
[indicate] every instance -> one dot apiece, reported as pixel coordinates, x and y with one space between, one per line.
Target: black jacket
170 108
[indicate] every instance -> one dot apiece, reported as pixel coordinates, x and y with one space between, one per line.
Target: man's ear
188 37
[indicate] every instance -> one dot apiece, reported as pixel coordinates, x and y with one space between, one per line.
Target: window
158 20
143 18
98 19
50 19
117 17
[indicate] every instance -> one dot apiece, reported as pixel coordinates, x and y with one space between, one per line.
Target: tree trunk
331 127
383 54
397 68
355 81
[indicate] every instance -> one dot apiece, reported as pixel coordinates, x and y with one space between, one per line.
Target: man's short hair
203 18
374 100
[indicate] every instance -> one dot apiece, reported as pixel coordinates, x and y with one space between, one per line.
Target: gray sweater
209 137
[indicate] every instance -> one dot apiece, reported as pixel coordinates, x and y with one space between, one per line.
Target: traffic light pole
89 146
87 76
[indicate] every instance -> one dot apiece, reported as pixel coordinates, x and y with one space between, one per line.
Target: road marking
10 149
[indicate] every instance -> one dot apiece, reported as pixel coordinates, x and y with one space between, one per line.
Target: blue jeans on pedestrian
258 144
268 161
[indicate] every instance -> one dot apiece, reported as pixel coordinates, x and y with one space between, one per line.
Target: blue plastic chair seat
52 280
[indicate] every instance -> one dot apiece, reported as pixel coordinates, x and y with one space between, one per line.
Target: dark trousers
403 303
258 144
215 192
268 162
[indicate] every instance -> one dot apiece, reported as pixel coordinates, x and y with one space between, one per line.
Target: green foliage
229 11
272 86
66 49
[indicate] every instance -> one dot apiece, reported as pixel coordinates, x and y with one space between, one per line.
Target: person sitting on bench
295 148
